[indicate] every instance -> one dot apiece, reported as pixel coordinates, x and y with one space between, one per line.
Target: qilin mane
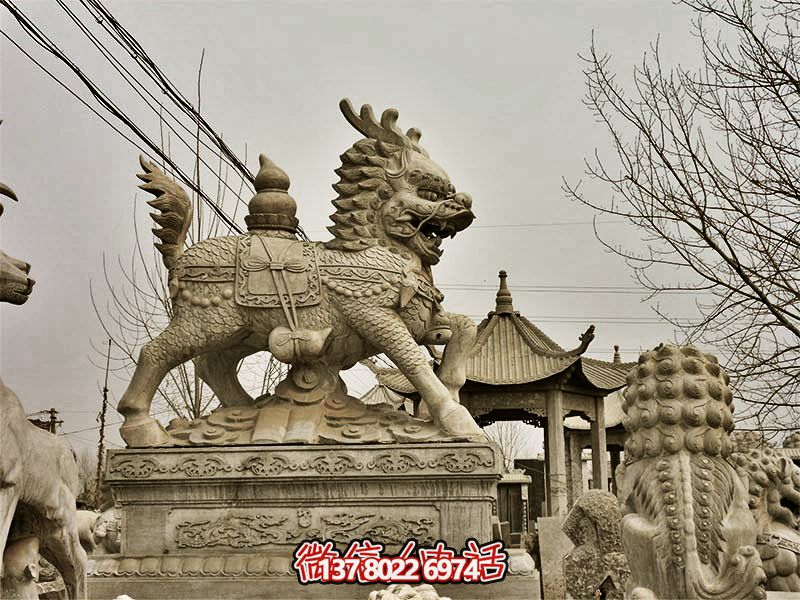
364 177
363 185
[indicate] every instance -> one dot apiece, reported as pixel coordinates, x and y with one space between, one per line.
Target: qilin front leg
383 329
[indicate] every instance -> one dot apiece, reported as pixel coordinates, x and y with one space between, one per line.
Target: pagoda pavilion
517 373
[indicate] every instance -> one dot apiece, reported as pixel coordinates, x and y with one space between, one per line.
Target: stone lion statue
320 307
15 284
792 440
686 527
773 483
99 531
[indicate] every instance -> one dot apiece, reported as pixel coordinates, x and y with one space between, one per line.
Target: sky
495 87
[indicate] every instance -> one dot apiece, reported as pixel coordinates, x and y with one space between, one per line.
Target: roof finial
503 303
617 357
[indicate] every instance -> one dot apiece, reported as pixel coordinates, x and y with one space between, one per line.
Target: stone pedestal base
222 522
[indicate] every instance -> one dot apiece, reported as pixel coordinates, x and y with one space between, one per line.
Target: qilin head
391 193
677 398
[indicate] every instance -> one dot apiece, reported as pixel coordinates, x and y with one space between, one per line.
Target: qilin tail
175 211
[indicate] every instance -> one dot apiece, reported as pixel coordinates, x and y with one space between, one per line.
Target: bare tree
510 436
707 169
139 307
87 475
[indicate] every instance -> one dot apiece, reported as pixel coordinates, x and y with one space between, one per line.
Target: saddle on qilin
274 272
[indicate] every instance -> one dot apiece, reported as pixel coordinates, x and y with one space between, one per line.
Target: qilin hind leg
383 329
179 342
218 370
452 370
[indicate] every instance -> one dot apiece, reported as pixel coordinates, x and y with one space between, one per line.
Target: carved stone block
192 520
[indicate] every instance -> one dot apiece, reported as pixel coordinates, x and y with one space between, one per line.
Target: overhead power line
550 224
564 289
595 319
41 39
156 104
167 118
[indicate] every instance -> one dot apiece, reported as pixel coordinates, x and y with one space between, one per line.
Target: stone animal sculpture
15 284
20 570
686 527
407 592
38 482
792 440
593 525
773 483
86 520
320 307
99 531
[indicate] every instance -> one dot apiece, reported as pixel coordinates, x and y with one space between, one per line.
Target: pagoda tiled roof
511 350
605 375
507 351
381 394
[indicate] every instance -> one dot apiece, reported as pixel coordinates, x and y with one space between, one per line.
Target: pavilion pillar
547 508
599 462
556 455
614 451
574 466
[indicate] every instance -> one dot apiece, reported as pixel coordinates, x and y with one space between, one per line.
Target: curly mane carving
363 184
677 398
391 194
687 530
773 483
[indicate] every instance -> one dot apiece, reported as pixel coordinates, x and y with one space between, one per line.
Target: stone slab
249 577
554 545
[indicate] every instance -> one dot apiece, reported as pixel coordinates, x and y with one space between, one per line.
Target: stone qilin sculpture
38 481
320 307
598 559
687 529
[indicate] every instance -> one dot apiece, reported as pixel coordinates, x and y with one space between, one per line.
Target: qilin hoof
143 433
457 422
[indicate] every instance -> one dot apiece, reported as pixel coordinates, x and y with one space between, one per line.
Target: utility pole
100 443
54 422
